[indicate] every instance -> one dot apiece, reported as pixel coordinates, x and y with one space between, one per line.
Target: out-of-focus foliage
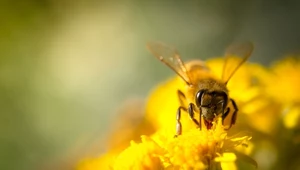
65 66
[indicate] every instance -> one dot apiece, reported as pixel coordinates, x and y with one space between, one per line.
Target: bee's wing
235 56
170 57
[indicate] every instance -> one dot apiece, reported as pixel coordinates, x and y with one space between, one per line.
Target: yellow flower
267 99
194 149
284 87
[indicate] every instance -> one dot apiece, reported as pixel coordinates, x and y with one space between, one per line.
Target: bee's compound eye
199 96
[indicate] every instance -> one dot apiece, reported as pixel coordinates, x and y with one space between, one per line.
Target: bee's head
211 103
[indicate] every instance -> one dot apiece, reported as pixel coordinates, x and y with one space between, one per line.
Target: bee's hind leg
190 110
178 124
181 98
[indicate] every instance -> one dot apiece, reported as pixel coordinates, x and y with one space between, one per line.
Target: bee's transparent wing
235 57
170 57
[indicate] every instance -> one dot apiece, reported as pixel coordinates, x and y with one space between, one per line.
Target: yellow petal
227 161
291 118
226 157
140 156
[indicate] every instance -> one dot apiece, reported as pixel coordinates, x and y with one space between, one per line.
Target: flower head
195 149
286 74
202 149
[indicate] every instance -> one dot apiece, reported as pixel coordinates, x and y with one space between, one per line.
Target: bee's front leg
234 114
235 111
191 114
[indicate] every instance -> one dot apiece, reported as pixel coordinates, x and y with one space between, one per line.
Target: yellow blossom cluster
205 149
268 99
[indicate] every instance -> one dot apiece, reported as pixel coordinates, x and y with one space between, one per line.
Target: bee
204 93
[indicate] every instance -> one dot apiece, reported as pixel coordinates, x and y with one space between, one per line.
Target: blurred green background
65 66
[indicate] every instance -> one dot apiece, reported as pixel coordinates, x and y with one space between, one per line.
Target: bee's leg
225 112
181 97
200 119
233 119
234 114
191 114
178 124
